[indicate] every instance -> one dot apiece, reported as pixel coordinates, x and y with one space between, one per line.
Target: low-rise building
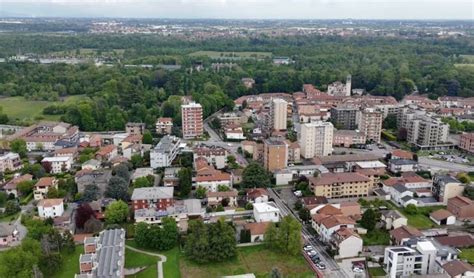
327 224
170 177
401 154
11 186
466 142
462 207
402 234
57 164
446 187
443 217
135 128
91 164
164 125
225 198
393 219
341 185
159 198
257 195
50 208
257 230
163 154
347 243
8 234
402 165
214 155
266 212
42 187
348 138
10 162
211 179
234 133
106 153
458 269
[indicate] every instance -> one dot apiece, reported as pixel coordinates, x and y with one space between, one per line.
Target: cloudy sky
284 9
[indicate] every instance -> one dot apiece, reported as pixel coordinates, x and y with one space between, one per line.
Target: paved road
159 264
332 268
437 165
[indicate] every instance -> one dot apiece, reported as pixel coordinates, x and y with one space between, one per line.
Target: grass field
70 264
9 218
18 108
232 55
254 259
421 220
467 254
87 52
377 271
135 259
376 237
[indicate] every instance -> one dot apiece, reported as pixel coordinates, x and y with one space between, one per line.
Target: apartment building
370 124
402 261
316 139
50 208
294 152
340 89
427 132
42 187
10 162
446 187
163 154
158 198
191 115
57 164
341 185
347 138
275 154
345 117
278 114
135 128
467 142
214 155
164 125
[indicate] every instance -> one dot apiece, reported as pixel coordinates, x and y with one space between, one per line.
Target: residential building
42 187
466 142
343 163
135 128
192 123
278 114
339 89
99 177
402 234
275 154
402 165
163 154
427 132
345 117
142 172
232 118
164 125
72 152
370 124
257 230
170 177
327 224
91 164
104 255
462 207
106 153
443 217
393 219
458 269
348 138
341 185
347 243
233 132
316 139
11 186
8 234
159 198
446 187
10 162
257 195
214 155
313 202
266 212
57 164
248 82
294 152
401 261
50 208
225 198
211 179
401 154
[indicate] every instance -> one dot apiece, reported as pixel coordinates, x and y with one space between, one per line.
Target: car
321 266
357 270
298 193
315 260
312 253
308 248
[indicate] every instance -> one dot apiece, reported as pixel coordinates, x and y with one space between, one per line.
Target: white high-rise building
370 123
316 139
191 117
278 114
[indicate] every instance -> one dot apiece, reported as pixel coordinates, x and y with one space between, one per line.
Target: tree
55 193
464 178
469 192
83 213
3 198
245 236
143 182
185 176
19 146
91 193
163 237
93 226
37 170
25 187
18 263
390 122
117 188
116 212
11 207
200 192
254 175
411 209
122 171
137 161
275 273
304 214
286 237
147 138
368 220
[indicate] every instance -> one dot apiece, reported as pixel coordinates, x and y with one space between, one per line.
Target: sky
243 9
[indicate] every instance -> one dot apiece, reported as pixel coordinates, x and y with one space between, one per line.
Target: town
355 185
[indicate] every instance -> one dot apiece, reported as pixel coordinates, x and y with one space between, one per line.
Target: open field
376 237
377 271
254 259
88 52
70 264
232 55
421 219
135 259
18 108
467 254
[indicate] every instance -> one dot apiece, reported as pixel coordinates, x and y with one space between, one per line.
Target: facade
212 179
221 197
164 125
266 212
446 187
57 164
341 185
42 187
443 217
402 165
214 155
234 133
339 89
163 154
278 113
393 219
192 124
257 230
275 154
158 198
401 261
466 142
8 234
427 132
50 208
370 124
345 117
11 186
170 177
294 152
135 128
316 139
327 225
347 243
10 162
106 153
461 207
347 138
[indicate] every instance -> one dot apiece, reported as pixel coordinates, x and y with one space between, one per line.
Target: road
332 268
437 165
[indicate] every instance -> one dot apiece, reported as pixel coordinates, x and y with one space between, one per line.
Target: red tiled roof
456 268
458 241
402 154
257 228
331 178
256 192
441 214
404 232
45 181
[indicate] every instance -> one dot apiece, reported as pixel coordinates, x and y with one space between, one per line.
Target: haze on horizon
243 9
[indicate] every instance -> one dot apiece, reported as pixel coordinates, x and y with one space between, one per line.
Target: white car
308 248
357 270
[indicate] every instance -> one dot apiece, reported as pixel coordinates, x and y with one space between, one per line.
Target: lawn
376 237
467 254
232 55
9 218
377 271
254 259
421 219
18 108
70 264
135 259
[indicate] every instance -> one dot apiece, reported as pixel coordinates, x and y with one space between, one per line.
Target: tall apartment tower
370 123
345 117
427 131
278 113
275 154
316 139
348 85
191 120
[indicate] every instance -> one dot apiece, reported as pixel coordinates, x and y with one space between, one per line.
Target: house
50 208
446 187
210 178
403 190
401 154
91 164
458 269
170 177
457 241
159 198
99 177
10 162
214 155
443 217
142 172
236 175
72 152
234 133
393 219
57 164
257 195
106 153
42 187
402 234
461 207
313 201
135 128
164 125
341 185
11 186
257 230
326 225
266 212
347 243
222 197
8 234
402 165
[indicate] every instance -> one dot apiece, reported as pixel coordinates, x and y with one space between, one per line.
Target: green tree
19 146
147 137
411 209
143 182
185 176
18 263
25 187
368 220
469 192
200 192
304 214
11 207
137 161
254 175
117 188
91 193
116 212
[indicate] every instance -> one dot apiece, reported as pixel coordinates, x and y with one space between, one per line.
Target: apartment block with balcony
345 117
370 123
10 162
275 154
192 120
341 185
163 154
428 132
316 139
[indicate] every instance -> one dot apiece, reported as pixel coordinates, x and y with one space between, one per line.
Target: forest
117 94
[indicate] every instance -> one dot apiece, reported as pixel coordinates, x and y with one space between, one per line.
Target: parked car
321 266
312 253
357 270
308 248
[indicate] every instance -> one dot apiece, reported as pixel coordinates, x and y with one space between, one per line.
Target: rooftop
265 207
332 178
151 193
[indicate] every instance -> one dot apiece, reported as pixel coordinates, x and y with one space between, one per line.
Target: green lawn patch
254 259
9 218
232 55
467 254
70 263
136 259
377 271
376 237
421 220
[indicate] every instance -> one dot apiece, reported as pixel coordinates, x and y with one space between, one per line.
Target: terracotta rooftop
404 232
440 214
458 241
45 181
329 210
456 268
256 192
332 178
402 154
49 202
335 220
223 194
257 228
